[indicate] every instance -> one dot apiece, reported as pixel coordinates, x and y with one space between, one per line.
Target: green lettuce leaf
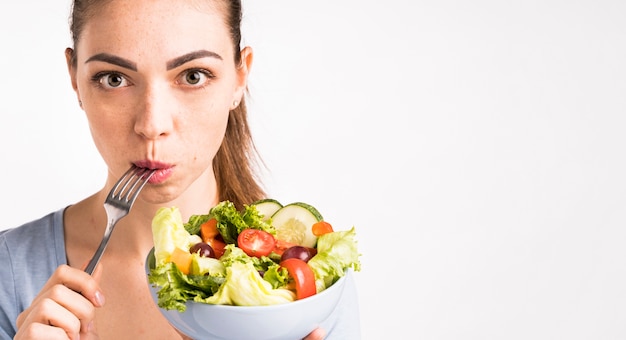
231 222
244 286
336 252
207 265
195 221
272 272
255 220
176 288
168 233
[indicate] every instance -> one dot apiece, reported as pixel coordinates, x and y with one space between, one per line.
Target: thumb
97 298
97 273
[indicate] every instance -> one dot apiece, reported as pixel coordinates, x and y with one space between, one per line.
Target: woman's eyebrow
115 60
191 56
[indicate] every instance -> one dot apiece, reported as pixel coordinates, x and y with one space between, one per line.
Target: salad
265 254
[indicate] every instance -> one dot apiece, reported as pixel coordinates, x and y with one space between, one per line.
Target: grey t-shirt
30 254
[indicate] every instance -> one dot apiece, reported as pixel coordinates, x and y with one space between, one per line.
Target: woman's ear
71 68
243 70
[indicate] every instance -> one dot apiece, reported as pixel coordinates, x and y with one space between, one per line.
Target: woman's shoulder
36 240
30 253
47 225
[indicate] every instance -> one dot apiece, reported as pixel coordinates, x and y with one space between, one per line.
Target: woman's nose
154 113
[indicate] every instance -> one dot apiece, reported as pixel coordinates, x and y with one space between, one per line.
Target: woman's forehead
161 27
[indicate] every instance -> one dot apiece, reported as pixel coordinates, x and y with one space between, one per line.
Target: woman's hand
64 308
317 334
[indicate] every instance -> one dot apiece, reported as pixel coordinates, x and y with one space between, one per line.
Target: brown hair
236 162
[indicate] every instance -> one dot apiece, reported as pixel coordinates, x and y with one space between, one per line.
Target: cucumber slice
267 207
294 223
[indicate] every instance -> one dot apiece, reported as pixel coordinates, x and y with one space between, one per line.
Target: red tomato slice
322 227
302 275
256 242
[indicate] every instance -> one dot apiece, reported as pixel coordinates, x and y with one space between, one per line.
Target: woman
162 84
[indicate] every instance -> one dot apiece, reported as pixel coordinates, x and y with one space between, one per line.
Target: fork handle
98 254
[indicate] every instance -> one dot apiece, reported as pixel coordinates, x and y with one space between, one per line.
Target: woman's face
156 80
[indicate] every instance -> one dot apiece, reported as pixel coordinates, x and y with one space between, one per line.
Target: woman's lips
162 173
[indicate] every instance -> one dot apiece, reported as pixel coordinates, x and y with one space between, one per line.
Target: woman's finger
79 281
49 316
67 301
41 331
317 334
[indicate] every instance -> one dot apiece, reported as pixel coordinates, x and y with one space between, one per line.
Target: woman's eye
196 77
112 80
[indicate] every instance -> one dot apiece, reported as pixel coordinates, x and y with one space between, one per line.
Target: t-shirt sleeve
29 254
8 303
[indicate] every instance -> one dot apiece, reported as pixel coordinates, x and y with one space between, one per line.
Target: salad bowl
293 320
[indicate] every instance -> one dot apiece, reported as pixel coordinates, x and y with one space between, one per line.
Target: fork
118 203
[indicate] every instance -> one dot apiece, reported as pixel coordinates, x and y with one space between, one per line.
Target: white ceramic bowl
287 321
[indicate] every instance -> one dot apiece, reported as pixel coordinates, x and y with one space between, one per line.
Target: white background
477 146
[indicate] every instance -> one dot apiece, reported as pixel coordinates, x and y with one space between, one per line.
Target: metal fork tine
123 182
134 192
139 179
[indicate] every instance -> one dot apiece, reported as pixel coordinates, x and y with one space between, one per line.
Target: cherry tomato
302 275
256 242
322 227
